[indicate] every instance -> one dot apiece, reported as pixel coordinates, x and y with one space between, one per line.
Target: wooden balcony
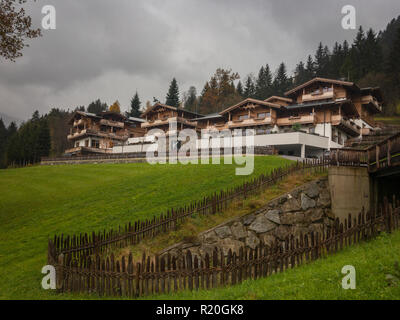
318 96
107 135
249 122
111 123
78 123
372 103
78 150
289 121
163 122
346 125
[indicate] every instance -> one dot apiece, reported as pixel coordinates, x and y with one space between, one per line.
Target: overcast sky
109 49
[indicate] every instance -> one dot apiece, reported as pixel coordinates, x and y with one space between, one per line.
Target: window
327 89
87 143
316 92
77 144
95 144
244 117
263 115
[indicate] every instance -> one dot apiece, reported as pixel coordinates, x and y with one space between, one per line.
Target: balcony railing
294 120
318 96
111 123
249 122
109 135
346 124
161 122
371 100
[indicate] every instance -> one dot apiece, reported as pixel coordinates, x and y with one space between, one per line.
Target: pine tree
44 140
322 61
3 143
249 88
336 61
263 84
135 107
172 98
300 74
239 88
281 82
372 53
310 69
97 107
191 99
393 64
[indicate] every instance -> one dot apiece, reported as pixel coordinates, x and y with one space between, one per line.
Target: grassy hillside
393 120
38 202
374 262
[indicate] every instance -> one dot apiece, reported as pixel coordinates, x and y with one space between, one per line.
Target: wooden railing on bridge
382 155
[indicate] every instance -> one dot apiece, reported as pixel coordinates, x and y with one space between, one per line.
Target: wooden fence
155 275
132 233
382 155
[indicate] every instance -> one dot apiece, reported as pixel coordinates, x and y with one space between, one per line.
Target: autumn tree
220 92
115 107
15 29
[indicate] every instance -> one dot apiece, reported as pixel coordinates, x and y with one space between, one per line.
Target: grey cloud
110 49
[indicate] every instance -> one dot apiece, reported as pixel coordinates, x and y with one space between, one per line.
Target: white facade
289 143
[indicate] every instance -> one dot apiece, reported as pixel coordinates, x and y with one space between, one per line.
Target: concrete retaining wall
350 190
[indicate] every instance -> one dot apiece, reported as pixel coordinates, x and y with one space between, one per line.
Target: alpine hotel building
318 115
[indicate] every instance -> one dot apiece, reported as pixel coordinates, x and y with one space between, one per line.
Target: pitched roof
278 98
158 104
82 113
250 100
331 81
375 91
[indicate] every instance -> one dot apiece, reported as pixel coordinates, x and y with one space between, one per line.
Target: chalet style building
318 115
160 116
97 134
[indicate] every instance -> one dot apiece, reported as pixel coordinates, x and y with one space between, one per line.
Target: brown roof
82 113
375 91
306 84
158 104
250 100
278 98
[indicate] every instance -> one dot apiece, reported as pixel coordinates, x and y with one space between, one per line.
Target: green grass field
38 202
322 279
393 120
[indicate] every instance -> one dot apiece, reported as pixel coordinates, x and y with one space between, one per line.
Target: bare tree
15 29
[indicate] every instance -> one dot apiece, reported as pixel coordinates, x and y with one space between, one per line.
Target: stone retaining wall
304 209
